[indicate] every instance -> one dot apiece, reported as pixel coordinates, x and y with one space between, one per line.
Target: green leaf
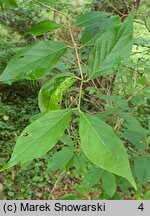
60 159
124 186
11 193
136 138
111 49
111 98
147 195
47 90
67 140
70 197
90 18
43 27
102 147
92 177
93 32
142 169
138 100
49 87
56 98
39 137
80 164
109 183
33 61
132 124
117 196
8 4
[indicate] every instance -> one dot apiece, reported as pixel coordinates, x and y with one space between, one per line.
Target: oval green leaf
33 61
39 137
43 27
60 159
102 147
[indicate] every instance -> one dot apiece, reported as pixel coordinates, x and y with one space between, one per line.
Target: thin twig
74 45
76 50
50 8
56 184
117 9
79 64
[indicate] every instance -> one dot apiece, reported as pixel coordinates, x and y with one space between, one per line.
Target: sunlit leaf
49 88
56 98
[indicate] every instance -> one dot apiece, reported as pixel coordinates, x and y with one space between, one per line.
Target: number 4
141 207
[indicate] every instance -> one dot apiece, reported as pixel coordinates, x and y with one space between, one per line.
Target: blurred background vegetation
19 107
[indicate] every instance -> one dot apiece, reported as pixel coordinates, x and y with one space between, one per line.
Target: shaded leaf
136 138
80 164
102 147
111 49
111 98
124 186
43 27
109 183
60 159
132 124
90 18
93 32
142 169
33 61
92 177
39 137
67 140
